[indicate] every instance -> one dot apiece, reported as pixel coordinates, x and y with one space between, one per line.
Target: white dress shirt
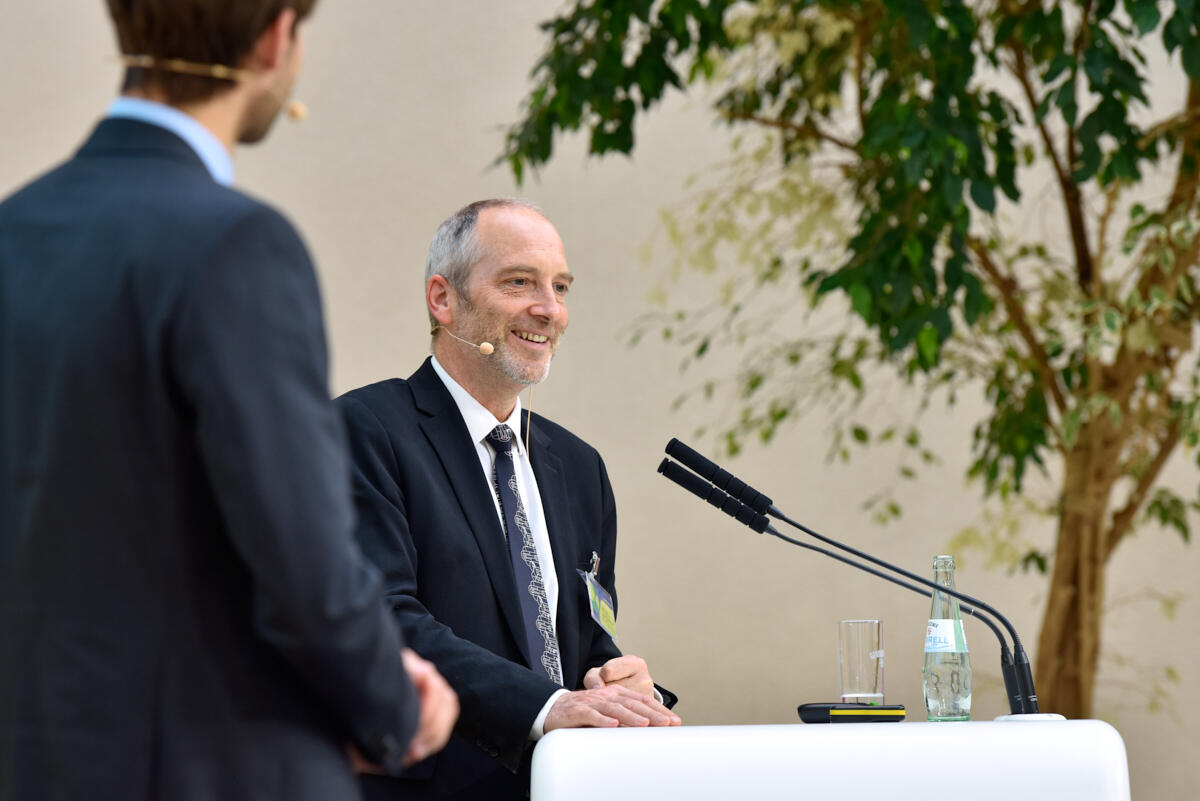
480 423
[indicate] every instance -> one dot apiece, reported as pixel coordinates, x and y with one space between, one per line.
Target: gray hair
455 248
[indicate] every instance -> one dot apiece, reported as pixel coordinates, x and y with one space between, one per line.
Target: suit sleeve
499 699
248 354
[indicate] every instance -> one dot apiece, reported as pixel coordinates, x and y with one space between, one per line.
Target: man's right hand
607 707
439 708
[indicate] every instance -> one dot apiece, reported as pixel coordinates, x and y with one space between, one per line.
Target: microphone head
486 348
297 111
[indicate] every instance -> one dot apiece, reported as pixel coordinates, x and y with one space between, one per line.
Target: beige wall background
408 102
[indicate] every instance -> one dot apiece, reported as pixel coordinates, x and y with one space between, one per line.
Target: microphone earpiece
297 111
485 348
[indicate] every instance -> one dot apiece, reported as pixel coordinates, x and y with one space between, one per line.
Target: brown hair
219 32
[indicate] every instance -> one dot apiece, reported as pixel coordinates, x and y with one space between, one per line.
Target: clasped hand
618 693
435 722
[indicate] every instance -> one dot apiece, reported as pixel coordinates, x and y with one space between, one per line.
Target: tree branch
1020 70
1187 180
1110 207
1122 521
1081 37
1181 123
860 35
1182 199
1072 198
1008 289
806 129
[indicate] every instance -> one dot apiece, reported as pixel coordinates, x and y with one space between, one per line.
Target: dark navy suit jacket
427 518
184 613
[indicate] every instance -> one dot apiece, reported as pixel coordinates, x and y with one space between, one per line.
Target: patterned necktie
535 608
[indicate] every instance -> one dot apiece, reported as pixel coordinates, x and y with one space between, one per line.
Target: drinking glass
860 661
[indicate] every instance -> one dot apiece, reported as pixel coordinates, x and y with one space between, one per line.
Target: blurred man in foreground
184 613
496 530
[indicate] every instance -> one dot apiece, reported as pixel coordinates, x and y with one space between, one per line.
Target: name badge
600 601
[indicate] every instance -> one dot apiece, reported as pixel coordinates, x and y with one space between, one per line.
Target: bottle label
945 636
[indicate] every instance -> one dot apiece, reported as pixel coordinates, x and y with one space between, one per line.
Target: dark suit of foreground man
183 611
430 516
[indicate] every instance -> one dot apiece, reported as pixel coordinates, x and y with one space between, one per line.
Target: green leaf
984 196
976 303
845 370
860 435
927 345
1034 559
1168 510
1170 606
1145 15
860 301
1191 58
913 251
1058 65
1005 29
1065 98
1089 162
1177 31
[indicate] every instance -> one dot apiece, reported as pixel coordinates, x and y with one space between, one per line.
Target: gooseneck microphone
1015 667
758 522
702 489
722 479
486 348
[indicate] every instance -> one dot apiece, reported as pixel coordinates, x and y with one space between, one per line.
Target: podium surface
1082 760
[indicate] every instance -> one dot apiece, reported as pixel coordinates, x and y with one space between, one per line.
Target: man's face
516 295
264 109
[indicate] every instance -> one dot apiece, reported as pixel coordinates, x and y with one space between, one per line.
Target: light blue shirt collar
207 146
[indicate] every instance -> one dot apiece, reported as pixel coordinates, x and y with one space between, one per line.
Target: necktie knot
501 437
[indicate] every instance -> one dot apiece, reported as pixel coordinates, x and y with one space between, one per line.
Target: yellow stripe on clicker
866 712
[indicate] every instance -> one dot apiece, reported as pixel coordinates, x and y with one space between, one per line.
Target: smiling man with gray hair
494 527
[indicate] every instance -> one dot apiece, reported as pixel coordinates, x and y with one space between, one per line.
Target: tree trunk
1069 644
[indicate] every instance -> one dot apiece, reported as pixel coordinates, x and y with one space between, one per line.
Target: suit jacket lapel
447 434
552 486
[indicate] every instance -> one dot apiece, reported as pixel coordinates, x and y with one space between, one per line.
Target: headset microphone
485 348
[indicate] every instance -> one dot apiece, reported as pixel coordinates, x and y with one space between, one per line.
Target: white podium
1044 760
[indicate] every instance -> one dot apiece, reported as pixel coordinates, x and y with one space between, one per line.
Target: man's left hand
628 671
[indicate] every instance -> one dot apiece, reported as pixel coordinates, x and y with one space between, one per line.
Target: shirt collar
208 147
479 420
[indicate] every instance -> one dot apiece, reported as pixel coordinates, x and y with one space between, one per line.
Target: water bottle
947 674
